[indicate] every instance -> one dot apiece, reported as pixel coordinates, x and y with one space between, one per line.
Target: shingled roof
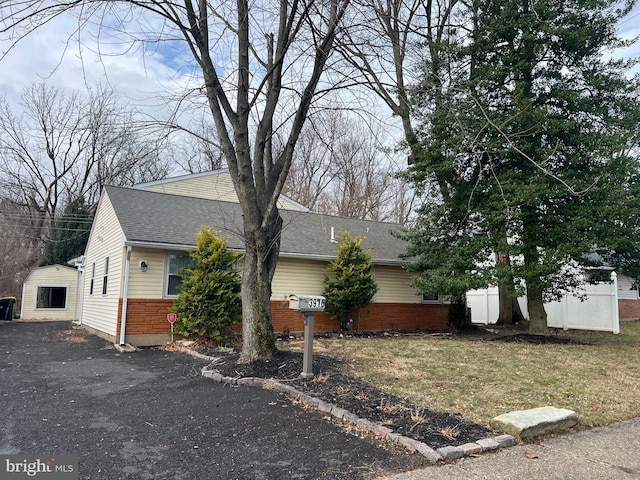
161 220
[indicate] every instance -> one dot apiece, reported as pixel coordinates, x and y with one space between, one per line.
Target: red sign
171 317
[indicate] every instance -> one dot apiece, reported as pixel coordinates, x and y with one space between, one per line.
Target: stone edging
447 453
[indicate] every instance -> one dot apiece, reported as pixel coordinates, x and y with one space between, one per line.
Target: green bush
459 316
209 299
348 281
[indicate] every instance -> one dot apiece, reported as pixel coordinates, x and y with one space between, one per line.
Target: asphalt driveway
149 415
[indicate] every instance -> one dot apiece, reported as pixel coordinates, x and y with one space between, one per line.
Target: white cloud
49 54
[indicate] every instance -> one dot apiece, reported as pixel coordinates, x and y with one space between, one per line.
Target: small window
51 297
431 298
176 262
93 278
105 277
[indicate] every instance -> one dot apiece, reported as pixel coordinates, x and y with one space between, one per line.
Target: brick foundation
149 317
146 316
629 308
372 318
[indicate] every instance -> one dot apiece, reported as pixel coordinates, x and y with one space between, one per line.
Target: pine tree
349 283
528 155
69 234
209 297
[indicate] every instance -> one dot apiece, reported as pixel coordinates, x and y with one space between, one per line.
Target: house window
431 298
51 297
93 278
105 277
176 262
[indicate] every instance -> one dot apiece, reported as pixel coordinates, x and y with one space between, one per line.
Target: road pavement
150 415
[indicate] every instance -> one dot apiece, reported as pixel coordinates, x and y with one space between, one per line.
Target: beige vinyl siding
306 277
394 286
297 276
625 290
213 187
105 240
216 186
291 276
147 284
49 276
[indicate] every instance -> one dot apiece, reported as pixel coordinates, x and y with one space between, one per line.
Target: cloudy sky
45 56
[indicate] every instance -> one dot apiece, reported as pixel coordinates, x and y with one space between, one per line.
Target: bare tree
197 151
403 200
340 168
312 169
362 177
396 45
63 147
114 149
17 256
66 146
259 66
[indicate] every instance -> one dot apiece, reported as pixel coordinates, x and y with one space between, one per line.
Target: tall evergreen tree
69 234
527 155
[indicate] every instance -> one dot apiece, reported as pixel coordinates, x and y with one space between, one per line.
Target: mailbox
307 303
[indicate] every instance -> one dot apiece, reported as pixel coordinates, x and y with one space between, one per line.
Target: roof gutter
300 256
160 246
330 258
125 296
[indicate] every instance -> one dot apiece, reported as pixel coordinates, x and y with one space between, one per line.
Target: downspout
22 301
79 287
125 295
77 314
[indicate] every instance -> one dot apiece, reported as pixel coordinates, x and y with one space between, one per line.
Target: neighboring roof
56 267
144 185
221 175
161 220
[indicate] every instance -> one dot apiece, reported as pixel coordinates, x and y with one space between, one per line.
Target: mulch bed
331 384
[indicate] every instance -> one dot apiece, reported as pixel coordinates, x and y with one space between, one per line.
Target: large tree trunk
261 258
510 312
537 313
535 297
257 330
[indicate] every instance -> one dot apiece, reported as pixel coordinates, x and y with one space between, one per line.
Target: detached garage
49 293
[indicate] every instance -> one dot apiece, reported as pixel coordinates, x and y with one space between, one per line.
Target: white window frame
105 277
92 281
47 285
165 282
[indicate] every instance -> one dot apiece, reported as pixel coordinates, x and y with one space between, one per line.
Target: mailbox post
308 305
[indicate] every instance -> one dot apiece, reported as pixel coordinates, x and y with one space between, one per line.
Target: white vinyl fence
598 311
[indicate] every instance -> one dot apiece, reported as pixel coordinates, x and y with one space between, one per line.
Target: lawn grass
481 378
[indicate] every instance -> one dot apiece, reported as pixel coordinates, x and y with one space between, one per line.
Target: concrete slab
534 422
126 348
